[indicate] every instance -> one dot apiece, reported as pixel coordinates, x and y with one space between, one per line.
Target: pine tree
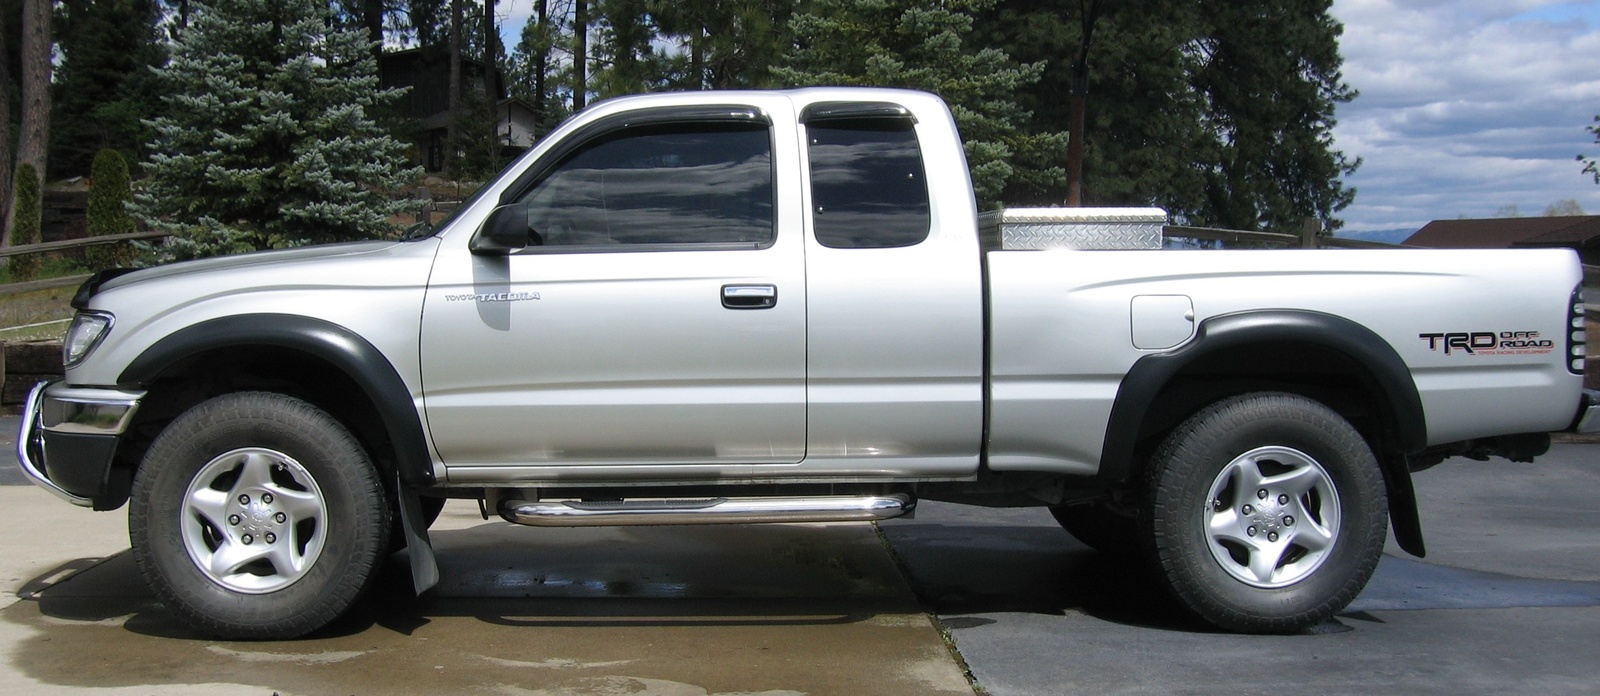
923 45
478 157
427 21
535 70
267 139
623 51
1220 111
1270 72
1590 166
103 87
109 194
725 44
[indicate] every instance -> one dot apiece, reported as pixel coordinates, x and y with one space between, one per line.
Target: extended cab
781 306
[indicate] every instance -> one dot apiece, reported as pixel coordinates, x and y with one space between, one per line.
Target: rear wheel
257 515
1266 512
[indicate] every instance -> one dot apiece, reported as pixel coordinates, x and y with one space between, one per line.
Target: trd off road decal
1489 343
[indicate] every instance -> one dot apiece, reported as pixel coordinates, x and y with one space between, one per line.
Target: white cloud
1467 106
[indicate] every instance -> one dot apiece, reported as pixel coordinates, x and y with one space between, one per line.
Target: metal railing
65 245
77 243
1308 238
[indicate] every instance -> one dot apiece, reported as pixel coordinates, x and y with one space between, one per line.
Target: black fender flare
351 354
1400 403
339 346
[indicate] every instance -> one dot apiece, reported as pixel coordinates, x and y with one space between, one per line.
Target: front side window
659 185
867 185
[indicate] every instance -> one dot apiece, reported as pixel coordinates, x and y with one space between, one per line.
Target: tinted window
867 183
671 184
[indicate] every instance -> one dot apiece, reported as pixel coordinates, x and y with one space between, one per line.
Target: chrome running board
578 513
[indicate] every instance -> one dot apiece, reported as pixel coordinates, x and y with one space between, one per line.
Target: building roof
1584 232
1502 233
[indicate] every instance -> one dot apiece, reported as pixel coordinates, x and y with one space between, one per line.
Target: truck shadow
578 612
960 571
711 576
766 575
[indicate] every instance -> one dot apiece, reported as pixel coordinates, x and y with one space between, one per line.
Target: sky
1466 107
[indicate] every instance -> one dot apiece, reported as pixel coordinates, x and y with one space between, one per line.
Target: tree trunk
372 18
5 137
491 56
1090 13
491 84
33 140
1080 91
180 20
580 54
542 66
697 55
452 134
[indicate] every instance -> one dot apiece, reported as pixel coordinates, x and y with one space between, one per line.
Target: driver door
654 321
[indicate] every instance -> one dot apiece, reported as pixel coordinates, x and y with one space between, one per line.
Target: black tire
257 516
1265 564
1101 527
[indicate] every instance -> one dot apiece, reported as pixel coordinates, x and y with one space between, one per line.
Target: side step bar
575 513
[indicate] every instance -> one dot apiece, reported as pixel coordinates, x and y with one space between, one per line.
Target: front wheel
257 516
1266 513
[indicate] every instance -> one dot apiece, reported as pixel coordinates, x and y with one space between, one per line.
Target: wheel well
196 378
1308 369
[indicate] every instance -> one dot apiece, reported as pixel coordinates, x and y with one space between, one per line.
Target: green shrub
109 194
27 218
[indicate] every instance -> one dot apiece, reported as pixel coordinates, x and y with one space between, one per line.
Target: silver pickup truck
735 307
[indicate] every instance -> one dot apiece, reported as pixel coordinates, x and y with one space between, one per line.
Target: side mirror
505 231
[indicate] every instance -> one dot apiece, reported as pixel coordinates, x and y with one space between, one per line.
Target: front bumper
69 437
1588 413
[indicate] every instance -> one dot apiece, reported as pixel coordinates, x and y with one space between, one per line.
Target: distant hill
1394 236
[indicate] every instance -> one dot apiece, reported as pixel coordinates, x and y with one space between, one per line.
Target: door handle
749 296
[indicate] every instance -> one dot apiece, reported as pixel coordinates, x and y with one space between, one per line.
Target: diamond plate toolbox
1072 228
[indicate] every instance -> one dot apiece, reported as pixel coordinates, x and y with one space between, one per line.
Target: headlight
88 328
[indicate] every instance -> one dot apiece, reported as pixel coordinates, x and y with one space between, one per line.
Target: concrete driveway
779 609
1508 600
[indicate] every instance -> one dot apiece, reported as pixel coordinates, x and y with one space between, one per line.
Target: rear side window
867 183
668 184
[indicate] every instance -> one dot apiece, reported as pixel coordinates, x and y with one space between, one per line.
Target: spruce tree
267 139
923 45
109 194
28 221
